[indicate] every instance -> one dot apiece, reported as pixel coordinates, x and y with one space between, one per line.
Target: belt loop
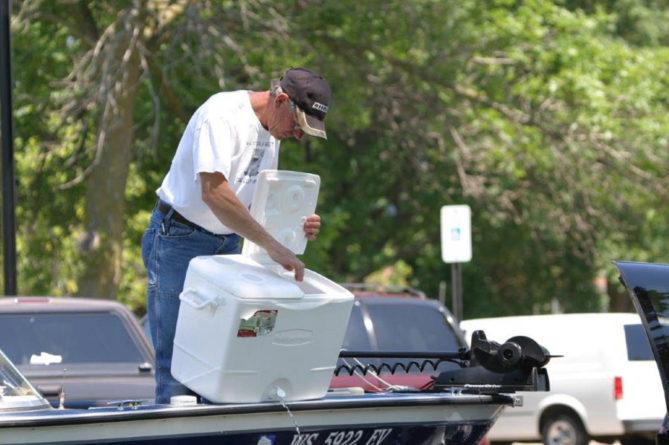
167 221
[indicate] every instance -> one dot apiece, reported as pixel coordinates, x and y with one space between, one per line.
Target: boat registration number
344 437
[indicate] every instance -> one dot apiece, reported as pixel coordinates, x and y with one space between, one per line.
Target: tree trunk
101 245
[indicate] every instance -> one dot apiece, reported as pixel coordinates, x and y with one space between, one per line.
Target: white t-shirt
224 135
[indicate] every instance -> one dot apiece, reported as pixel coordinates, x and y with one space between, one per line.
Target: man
204 199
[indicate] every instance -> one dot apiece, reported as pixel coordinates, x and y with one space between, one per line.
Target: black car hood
648 285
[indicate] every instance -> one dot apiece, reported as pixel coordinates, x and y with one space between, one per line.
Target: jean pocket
147 245
177 229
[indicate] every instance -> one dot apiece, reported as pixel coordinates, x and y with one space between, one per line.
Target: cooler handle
197 301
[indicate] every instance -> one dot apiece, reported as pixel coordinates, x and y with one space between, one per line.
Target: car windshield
356 338
404 327
43 339
411 327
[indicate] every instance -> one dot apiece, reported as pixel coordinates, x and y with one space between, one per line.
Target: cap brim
310 125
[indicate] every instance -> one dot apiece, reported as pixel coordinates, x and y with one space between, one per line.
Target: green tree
548 118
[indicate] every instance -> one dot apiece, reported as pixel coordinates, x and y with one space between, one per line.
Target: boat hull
360 420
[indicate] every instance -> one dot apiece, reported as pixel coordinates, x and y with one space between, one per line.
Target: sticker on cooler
259 324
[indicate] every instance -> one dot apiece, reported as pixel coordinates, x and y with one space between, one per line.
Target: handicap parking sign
456 239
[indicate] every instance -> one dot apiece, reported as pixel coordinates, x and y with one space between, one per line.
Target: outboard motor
486 368
516 353
515 365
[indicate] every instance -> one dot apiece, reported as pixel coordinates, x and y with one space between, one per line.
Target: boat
459 406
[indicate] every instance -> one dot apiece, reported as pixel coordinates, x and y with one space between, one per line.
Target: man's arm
220 198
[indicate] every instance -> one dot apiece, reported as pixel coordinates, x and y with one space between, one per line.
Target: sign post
456 248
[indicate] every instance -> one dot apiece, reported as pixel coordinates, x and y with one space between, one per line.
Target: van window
638 347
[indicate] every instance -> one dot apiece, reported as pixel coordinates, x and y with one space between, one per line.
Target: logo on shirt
254 164
253 168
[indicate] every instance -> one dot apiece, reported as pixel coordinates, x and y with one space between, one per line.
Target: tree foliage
549 118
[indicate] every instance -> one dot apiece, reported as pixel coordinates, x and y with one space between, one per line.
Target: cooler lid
242 277
281 202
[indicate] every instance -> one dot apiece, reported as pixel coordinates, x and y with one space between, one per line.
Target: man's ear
281 98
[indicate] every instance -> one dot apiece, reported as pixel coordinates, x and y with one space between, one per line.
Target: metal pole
442 292
8 197
456 286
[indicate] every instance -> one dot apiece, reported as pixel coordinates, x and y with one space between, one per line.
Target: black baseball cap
311 93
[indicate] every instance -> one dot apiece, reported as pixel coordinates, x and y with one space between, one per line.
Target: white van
606 386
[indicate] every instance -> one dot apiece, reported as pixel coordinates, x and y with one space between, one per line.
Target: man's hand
286 258
312 225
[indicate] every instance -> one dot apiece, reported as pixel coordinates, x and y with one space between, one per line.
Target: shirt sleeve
213 148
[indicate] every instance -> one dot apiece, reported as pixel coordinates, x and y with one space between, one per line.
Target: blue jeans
167 248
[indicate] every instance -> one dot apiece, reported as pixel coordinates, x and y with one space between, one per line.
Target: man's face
282 122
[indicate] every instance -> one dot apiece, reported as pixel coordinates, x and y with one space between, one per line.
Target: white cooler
247 331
